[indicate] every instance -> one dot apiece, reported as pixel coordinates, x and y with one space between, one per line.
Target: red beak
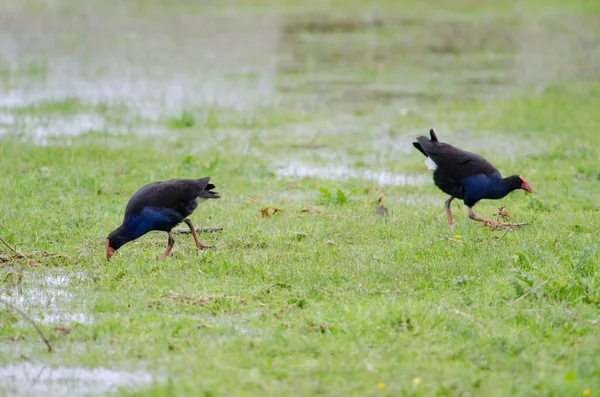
109 250
525 186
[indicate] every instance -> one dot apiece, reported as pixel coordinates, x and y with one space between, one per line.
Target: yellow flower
457 236
586 393
416 381
381 385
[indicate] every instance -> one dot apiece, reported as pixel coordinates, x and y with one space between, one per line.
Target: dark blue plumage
161 206
465 175
483 186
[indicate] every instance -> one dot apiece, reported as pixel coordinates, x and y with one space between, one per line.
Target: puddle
234 326
47 301
125 58
42 127
160 60
341 172
31 379
225 327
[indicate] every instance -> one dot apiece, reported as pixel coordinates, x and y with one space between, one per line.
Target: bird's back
456 163
177 194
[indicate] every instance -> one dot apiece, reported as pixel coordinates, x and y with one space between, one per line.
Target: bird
467 176
161 206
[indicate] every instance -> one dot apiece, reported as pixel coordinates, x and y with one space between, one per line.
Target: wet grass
310 290
65 106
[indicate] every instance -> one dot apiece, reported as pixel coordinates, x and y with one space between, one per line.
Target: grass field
309 108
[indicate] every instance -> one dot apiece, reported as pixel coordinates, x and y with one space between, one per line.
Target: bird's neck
500 187
137 225
482 186
128 232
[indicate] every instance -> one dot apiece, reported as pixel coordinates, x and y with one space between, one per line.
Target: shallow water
341 172
110 54
33 379
47 301
126 60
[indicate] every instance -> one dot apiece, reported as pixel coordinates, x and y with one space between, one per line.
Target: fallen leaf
313 209
265 211
381 210
64 330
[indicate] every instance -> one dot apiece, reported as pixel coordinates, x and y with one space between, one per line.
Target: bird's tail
433 137
419 148
425 141
208 193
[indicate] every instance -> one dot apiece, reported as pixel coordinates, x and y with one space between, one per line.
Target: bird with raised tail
161 206
466 176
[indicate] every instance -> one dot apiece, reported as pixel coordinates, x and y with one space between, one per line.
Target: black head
115 240
518 182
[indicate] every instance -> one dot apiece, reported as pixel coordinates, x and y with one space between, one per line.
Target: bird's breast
154 218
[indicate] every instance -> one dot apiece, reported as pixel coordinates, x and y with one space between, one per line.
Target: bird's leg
169 246
475 217
492 222
449 211
199 245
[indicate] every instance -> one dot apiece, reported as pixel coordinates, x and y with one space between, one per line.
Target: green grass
340 301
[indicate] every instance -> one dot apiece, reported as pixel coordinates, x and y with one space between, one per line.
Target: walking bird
466 176
161 206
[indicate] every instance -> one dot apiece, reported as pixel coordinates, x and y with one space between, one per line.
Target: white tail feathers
430 164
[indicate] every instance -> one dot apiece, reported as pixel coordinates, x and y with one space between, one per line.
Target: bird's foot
493 225
513 226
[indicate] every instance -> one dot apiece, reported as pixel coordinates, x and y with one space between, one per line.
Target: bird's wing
175 193
455 162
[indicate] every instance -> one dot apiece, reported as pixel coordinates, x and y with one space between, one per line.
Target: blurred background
131 66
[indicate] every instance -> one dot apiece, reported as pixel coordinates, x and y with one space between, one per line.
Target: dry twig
453 240
198 230
31 321
18 254
504 220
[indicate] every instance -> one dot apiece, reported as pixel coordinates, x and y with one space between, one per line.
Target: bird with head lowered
467 176
161 206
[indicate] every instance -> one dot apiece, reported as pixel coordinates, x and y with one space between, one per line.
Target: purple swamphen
467 176
161 206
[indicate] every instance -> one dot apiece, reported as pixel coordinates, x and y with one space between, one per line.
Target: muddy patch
32 379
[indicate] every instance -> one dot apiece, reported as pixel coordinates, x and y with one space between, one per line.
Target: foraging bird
161 206
466 176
